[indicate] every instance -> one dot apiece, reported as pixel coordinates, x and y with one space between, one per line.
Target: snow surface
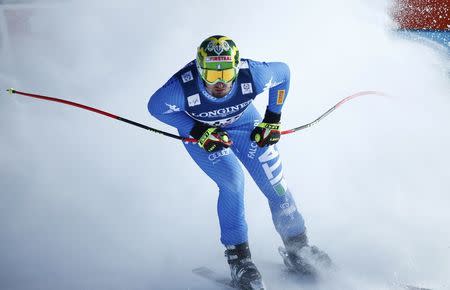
87 202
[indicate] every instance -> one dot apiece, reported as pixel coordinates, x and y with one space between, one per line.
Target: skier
210 99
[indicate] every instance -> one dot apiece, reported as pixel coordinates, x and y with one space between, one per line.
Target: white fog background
87 202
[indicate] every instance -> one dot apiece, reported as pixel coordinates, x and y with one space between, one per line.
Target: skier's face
219 89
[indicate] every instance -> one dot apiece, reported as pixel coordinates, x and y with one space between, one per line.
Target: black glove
268 131
210 138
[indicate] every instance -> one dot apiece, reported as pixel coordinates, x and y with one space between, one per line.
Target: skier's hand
214 139
211 138
268 131
266 134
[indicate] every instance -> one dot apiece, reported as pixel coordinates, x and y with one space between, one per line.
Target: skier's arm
167 105
274 76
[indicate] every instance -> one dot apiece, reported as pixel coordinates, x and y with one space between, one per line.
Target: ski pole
184 139
13 91
344 100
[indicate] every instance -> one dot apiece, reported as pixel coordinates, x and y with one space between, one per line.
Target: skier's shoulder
173 89
250 64
273 71
255 65
264 73
185 74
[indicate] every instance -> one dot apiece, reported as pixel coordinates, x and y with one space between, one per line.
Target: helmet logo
217 46
219 58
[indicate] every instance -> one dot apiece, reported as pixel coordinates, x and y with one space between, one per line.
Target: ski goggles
212 76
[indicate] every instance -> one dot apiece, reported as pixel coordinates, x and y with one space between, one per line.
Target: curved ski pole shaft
344 100
184 139
52 99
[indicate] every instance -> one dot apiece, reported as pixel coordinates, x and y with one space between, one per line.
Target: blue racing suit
183 101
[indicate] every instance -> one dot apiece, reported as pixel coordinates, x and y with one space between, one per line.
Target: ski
283 253
212 276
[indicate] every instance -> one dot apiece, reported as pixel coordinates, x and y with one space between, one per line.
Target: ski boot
301 258
244 274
